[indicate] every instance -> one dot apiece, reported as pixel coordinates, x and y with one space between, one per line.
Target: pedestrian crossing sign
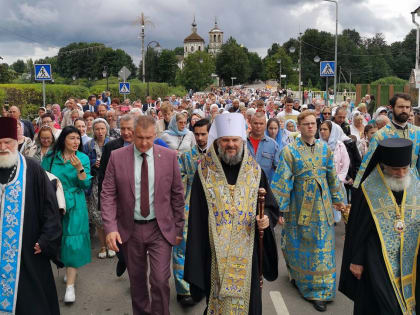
327 68
124 88
43 72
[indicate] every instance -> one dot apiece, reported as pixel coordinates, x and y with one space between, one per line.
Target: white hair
10 159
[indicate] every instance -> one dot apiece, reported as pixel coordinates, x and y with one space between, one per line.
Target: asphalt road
99 291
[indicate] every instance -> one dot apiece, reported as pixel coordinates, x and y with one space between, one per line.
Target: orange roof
194 37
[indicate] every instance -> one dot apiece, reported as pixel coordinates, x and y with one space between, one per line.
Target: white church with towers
195 42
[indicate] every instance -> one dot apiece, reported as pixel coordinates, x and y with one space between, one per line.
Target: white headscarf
336 134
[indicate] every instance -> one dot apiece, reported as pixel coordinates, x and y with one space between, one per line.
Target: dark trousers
148 241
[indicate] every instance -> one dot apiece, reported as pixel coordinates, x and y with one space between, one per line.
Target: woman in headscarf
278 134
382 110
94 149
25 144
333 135
56 110
290 125
357 127
178 137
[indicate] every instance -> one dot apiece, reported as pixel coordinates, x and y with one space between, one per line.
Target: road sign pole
327 96
43 92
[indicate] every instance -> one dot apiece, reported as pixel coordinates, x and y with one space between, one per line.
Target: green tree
256 65
18 66
6 74
167 66
196 74
232 61
179 51
272 68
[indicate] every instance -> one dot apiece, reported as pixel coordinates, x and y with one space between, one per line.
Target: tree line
364 59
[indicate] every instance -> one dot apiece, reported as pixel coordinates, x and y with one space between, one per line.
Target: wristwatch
82 171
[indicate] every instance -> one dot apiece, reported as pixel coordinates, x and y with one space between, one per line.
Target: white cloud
37 27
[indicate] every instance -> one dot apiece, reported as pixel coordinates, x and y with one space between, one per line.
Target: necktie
144 188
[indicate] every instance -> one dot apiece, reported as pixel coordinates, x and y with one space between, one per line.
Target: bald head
14 112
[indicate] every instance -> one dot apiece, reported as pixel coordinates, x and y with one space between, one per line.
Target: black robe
197 267
37 293
373 293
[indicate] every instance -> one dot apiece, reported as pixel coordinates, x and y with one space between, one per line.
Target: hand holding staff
263 223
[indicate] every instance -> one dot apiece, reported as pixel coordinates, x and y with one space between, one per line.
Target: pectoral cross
385 209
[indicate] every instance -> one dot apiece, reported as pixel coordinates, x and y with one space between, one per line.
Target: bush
139 90
390 81
342 86
28 97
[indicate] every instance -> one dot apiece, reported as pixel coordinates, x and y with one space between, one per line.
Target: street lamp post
292 50
158 48
413 16
336 42
279 62
105 75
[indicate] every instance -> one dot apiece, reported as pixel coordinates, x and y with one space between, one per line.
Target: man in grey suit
142 204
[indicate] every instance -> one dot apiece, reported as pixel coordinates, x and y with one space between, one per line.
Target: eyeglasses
326 113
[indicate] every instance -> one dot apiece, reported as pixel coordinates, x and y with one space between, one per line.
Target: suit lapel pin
158 154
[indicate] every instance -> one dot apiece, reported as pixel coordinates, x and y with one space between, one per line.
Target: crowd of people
178 178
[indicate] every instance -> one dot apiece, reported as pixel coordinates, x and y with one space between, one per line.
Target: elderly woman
290 125
333 135
43 143
94 149
56 111
357 127
178 137
111 118
25 144
363 109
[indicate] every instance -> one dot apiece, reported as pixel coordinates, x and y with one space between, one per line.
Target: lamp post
233 78
156 46
336 42
279 62
292 50
105 75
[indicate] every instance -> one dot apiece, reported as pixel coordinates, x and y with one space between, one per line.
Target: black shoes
121 267
185 300
320 306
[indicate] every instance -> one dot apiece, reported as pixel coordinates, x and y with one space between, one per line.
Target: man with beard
221 258
30 229
381 248
398 128
188 162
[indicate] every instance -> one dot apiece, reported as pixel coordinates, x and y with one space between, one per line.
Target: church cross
384 209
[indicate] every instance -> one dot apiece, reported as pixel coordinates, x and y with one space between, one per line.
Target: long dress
374 293
304 185
188 166
75 245
37 293
198 257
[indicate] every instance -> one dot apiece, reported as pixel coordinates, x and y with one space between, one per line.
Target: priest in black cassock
380 259
221 260
30 231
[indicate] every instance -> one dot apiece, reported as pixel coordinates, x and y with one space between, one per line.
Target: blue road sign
327 68
124 88
43 72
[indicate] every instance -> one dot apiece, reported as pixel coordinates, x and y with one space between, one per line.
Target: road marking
278 302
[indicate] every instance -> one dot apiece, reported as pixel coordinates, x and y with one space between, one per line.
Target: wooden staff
261 200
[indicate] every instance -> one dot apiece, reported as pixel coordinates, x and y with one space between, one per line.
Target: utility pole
336 43
300 68
279 62
143 21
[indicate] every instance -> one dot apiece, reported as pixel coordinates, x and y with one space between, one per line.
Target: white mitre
227 125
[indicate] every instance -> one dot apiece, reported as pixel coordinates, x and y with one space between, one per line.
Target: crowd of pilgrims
347 128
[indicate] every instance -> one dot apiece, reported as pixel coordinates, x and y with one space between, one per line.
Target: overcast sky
38 28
